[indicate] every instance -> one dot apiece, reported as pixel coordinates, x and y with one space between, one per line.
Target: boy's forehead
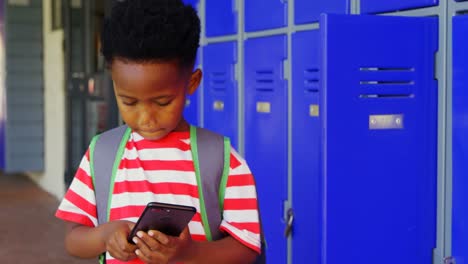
147 72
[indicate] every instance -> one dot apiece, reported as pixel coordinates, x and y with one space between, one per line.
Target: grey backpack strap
211 162
104 154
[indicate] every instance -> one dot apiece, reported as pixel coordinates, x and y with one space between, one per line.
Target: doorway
91 107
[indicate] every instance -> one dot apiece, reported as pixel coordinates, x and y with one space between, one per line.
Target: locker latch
449 260
289 223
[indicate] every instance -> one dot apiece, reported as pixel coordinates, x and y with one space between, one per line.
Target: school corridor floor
29 232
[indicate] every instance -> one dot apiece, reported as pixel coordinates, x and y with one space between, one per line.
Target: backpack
211 158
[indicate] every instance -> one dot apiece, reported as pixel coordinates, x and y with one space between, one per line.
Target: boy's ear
195 80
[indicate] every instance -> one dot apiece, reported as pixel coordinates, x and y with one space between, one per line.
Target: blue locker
266 135
191 103
193 3
221 18
460 140
265 14
220 95
379 140
307 11
373 6
306 147
191 109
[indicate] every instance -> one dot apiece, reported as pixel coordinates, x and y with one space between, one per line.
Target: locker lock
289 223
449 260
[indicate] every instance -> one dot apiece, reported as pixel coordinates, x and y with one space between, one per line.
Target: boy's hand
156 247
116 240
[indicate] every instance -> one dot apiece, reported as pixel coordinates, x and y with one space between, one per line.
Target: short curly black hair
151 31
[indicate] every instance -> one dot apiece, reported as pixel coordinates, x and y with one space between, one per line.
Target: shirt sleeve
240 216
79 202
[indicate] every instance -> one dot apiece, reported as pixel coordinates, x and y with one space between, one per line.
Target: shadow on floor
29 232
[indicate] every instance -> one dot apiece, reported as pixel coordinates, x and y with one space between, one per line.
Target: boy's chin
153 136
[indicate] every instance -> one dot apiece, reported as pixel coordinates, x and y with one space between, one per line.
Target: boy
150 47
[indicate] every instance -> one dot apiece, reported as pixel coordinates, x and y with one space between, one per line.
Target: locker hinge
449 260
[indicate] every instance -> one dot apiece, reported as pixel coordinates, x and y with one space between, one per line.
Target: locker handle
289 223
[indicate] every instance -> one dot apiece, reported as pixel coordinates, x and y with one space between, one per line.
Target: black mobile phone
170 219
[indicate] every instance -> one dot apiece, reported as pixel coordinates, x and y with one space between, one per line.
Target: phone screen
170 219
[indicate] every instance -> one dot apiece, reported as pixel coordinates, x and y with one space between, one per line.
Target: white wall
52 179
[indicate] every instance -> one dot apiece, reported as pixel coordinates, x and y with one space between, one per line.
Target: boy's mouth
152 134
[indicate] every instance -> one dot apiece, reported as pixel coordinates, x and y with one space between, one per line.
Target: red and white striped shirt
163 171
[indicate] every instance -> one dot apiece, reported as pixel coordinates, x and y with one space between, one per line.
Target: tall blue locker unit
373 6
306 147
266 135
220 95
306 11
191 103
265 14
460 140
379 141
221 17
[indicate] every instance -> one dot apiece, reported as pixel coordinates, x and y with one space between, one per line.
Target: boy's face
151 95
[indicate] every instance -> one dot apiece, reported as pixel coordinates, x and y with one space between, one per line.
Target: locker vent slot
264 80
374 69
387 82
462 12
218 81
311 80
366 96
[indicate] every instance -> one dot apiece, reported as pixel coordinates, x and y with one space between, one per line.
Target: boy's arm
90 242
84 241
227 250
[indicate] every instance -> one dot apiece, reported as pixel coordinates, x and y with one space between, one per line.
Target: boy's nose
147 120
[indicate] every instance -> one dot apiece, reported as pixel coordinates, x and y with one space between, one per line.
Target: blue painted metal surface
220 95
193 3
191 106
265 14
221 17
266 135
460 140
191 109
379 173
307 11
306 147
373 6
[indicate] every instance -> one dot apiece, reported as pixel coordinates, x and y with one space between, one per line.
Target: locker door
306 147
221 89
191 102
221 17
372 6
193 3
266 135
379 143
265 14
307 11
460 139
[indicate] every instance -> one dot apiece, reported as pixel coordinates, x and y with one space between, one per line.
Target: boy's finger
152 257
130 248
185 233
122 242
146 243
130 225
160 237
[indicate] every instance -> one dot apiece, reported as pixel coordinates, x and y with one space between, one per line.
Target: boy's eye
130 103
165 103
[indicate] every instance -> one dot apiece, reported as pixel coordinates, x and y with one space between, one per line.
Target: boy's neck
183 126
